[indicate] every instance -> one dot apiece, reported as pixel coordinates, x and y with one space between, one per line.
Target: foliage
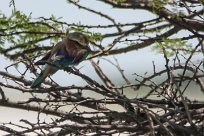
173 45
20 32
120 1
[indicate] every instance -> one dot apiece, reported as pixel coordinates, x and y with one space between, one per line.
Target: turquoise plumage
71 50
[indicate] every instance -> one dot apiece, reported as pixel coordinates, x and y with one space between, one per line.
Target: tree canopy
176 30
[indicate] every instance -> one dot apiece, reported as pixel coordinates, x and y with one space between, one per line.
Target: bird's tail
38 81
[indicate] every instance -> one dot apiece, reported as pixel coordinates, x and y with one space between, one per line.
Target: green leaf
172 45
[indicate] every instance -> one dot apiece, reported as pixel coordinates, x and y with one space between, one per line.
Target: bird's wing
51 55
44 59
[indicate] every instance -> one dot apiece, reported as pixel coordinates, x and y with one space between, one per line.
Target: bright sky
139 61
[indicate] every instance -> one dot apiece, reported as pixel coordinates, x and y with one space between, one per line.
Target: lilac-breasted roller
71 50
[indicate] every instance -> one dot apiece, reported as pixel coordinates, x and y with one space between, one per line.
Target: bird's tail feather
38 80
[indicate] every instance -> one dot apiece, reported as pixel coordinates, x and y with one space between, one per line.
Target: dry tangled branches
102 107
170 114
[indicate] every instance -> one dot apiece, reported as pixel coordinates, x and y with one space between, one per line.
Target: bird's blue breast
65 55
65 61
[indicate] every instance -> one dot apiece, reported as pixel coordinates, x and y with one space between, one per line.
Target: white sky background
137 61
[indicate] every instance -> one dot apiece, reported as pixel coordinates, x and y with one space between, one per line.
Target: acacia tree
22 40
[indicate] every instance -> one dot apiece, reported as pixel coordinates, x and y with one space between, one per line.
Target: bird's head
80 38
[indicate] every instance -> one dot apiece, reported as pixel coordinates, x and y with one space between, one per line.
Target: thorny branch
144 115
159 104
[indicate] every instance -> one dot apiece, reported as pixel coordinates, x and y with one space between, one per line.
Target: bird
73 49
